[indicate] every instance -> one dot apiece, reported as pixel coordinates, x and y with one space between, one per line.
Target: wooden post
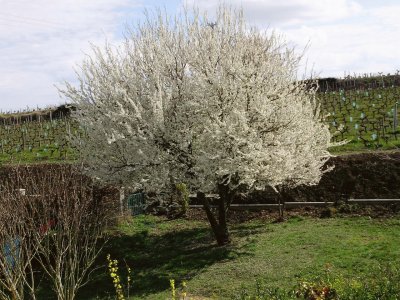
121 199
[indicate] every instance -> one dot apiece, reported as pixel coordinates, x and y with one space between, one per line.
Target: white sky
41 41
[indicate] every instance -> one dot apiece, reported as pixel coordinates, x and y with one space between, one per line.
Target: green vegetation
367 118
279 254
183 197
37 141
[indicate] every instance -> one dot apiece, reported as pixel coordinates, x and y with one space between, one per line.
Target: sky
42 42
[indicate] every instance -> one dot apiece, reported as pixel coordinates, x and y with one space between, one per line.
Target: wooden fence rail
262 206
373 201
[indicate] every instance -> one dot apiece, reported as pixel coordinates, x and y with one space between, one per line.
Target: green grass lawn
49 154
277 253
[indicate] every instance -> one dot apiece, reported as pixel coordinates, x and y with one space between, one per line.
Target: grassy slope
280 254
366 117
37 141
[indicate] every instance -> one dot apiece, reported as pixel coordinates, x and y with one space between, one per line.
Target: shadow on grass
155 259
248 230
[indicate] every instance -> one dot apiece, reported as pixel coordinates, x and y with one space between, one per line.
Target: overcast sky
41 41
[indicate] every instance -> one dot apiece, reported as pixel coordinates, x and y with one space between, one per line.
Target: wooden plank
244 206
258 206
261 206
373 201
297 204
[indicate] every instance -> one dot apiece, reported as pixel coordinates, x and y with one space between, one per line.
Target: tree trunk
219 228
224 201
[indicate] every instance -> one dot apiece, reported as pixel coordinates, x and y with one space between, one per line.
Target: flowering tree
213 104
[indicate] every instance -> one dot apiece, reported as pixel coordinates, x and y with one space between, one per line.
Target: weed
114 274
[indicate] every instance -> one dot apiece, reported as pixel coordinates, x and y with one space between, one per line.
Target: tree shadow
155 259
249 229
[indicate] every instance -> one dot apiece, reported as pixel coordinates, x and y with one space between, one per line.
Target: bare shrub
63 223
16 227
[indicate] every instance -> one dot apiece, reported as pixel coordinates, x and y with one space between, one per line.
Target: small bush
347 208
328 212
183 197
383 283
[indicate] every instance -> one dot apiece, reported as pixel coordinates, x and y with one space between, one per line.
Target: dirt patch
374 175
341 210
359 176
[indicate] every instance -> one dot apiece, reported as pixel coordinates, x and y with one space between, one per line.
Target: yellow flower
172 284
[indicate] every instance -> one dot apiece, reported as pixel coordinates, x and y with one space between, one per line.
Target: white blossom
186 101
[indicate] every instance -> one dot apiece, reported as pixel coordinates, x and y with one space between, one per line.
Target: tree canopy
194 99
